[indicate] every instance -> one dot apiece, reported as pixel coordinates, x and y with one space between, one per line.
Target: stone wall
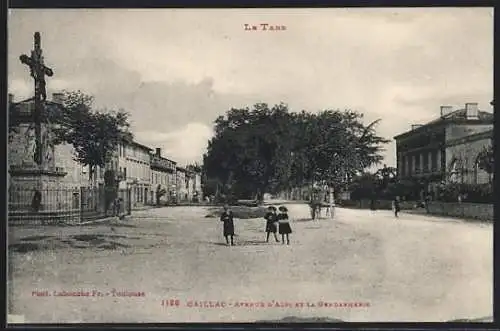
478 211
466 155
379 204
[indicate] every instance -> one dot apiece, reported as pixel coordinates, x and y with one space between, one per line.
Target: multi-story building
193 178
182 184
162 177
446 149
134 165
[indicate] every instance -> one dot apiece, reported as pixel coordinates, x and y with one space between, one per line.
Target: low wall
465 210
379 204
478 211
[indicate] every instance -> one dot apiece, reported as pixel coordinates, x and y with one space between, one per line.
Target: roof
32 99
459 115
21 109
135 143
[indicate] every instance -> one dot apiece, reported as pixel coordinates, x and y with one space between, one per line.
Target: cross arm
48 71
26 60
31 63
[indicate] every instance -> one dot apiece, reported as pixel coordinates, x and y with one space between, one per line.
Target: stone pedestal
28 179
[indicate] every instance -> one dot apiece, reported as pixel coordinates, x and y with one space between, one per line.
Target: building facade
193 184
446 149
134 165
182 185
162 178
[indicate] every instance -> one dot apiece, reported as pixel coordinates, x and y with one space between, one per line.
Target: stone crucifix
38 71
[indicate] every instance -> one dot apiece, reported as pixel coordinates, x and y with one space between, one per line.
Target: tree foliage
94 134
485 159
268 149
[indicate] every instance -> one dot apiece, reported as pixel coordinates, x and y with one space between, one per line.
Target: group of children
275 222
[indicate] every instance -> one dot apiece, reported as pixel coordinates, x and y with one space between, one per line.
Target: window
125 172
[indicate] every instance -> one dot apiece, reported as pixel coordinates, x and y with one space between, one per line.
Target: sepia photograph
250 165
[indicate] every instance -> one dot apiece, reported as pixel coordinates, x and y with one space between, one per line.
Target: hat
283 208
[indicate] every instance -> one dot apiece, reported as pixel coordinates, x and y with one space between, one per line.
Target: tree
160 191
245 152
95 135
486 159
269 149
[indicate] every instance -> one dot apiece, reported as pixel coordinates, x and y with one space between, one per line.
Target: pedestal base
56 202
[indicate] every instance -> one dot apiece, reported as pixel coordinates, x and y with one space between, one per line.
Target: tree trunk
331 200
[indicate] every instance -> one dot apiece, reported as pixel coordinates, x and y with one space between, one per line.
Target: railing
64 205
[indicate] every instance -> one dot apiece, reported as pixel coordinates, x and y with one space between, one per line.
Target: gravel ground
414 268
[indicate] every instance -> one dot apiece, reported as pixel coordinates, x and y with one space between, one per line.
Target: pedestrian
396 206
427 200
36 202
228 224
284 225
271 219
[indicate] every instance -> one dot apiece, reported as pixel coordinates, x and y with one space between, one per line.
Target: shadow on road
36 238
295 319
242 243
24 247
87 241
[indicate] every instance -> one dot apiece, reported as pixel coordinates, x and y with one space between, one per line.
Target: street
415 268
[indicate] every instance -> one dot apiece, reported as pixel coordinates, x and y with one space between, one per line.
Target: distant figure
427 200
396 206
284 225
36 202
271 219
372 204
228 226
119 205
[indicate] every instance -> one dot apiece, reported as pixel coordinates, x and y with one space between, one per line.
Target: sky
176 70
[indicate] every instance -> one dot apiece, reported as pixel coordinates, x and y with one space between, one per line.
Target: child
227 219
396 207
284 225
271 219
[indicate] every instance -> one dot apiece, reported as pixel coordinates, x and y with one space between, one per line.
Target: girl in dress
227 219
271 219
284 225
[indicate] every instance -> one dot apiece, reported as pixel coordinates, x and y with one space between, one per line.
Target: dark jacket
227 218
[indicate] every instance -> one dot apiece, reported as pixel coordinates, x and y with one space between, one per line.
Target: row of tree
270 149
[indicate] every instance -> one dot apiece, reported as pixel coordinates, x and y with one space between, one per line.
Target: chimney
57 98
158 152
445 110
11 98
472 111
